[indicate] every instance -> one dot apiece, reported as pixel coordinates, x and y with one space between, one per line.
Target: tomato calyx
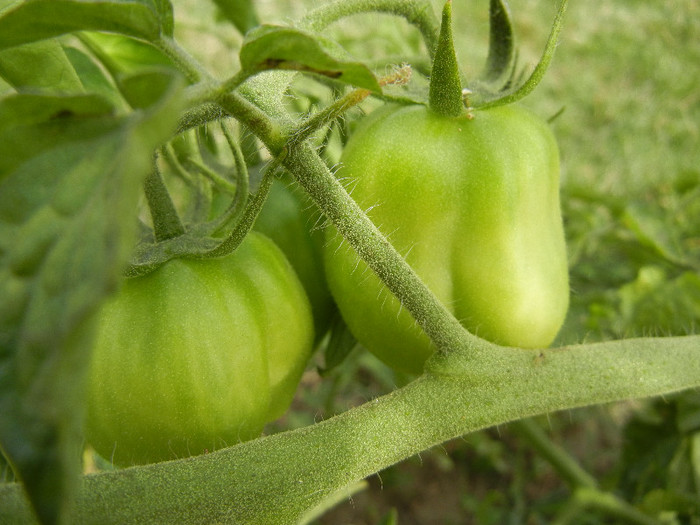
502 81
169 239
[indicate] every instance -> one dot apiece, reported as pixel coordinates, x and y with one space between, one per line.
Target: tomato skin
473 206
289 218
197 355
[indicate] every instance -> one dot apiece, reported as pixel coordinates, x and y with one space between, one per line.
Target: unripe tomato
197 355
473 206
289 218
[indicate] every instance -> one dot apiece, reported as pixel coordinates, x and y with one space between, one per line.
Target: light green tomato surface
197 355
289 218
473 206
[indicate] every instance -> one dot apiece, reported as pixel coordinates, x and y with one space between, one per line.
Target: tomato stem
416 12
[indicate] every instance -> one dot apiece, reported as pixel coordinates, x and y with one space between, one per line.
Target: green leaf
6 474
28 123
93 78
658 452
33 20
391 518
123 55
70 178
40 65
241 13
276 47
695 460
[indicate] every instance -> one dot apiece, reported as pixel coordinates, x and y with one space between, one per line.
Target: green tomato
197 355
473 206
290 219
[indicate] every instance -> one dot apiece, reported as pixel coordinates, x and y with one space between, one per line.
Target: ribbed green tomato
473 206
288 218
197 355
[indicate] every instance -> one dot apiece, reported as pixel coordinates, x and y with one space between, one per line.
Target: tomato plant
133 174
473 205
197 355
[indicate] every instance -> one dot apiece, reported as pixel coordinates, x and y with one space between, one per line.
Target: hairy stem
417 12
245 484
371 245
359 231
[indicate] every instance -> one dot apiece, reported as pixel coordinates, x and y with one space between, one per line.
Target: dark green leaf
651 441
241 13
669 502
40 65
164 10
276 47
6 474
31 123
689 415
33 20
70 177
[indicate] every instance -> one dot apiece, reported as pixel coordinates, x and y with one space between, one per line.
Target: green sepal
501 55
513 90
445 85
149 256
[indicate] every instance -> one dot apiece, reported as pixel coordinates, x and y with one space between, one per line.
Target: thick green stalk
186 64
278 479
